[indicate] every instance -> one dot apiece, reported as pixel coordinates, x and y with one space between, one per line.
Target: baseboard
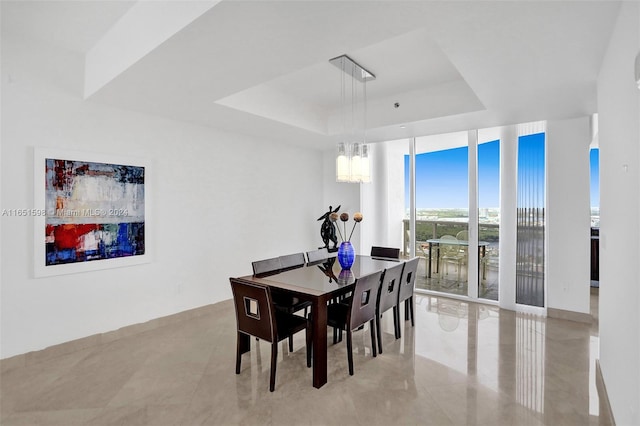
569 315
54 351
606 415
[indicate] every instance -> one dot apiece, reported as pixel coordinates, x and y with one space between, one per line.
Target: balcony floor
450 284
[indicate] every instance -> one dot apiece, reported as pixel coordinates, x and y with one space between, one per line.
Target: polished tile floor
463 363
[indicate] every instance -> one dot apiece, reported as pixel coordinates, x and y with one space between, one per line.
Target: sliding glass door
442 211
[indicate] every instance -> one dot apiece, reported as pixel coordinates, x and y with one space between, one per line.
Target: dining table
320 283
482 251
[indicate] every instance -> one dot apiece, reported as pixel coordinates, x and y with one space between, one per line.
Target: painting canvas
94 213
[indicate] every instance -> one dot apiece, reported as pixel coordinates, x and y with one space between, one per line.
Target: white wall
383 199
219 201
508 222
619 139
345 195
568 215
374 200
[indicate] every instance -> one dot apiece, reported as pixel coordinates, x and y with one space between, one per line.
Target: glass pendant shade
352 159
343 171
353 163
356 163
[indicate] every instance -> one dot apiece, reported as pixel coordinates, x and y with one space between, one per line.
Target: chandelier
352 160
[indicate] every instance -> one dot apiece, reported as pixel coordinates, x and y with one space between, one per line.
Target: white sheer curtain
530 234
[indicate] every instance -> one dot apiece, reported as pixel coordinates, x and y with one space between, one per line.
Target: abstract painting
93 212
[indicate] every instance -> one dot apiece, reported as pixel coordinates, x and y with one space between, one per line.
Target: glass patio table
482 251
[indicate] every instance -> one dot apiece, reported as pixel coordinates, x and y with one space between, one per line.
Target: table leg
319 318
429 267
483 253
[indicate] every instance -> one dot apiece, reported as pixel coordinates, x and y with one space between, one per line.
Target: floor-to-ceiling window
594 161
594 185
445 167
530 250
442 211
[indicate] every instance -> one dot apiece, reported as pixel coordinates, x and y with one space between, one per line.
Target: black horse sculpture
328 231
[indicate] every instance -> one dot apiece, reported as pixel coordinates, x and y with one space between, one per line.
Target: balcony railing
429 229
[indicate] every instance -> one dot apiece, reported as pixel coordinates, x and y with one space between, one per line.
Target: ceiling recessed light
403 127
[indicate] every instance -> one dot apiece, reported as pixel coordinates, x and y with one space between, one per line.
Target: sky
442 176
489 175
594 160
531 179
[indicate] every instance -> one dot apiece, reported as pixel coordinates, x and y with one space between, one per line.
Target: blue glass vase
346 255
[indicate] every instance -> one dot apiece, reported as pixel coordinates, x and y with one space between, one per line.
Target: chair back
448 245
316 255
266 266
408 281
364 300
463 235
292 260
445 238
389 287
254 311
388 252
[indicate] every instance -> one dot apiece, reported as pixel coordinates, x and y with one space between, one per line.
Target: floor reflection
462 364
543 366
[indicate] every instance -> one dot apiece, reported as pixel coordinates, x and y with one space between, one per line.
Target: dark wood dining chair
388 298
266 266
405 294
292 260
386 252
317 255
360 309
287 302
283 302
256 316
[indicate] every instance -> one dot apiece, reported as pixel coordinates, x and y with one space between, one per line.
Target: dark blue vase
346 255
